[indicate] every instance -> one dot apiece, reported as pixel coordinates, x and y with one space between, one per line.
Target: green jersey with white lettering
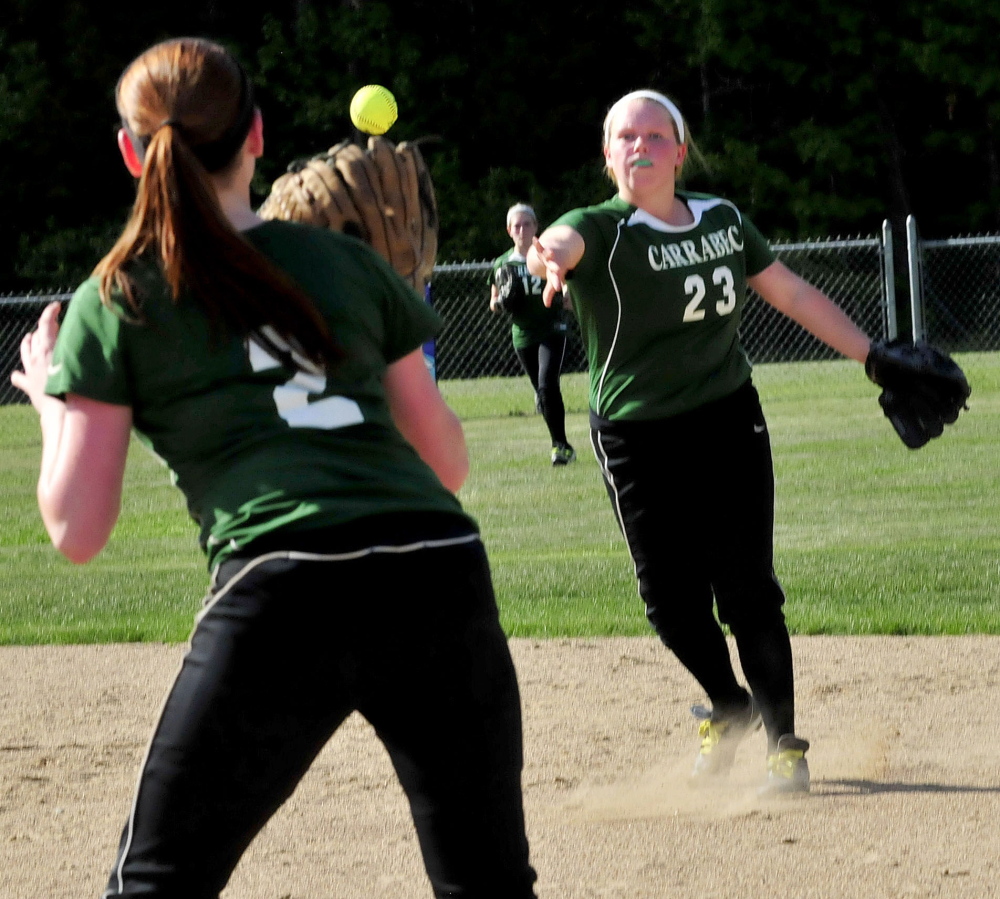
254 444
536 321
659 305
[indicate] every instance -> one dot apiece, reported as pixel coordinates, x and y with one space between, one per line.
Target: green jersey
660 306
254 444
537 321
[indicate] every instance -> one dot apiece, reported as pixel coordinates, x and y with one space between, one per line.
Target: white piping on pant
293 555
602 461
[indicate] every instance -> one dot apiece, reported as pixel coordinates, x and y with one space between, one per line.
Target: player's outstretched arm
80 487
425 420
84 447
553 256
811 308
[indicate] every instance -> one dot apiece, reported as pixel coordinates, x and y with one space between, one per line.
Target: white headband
520 207
675 113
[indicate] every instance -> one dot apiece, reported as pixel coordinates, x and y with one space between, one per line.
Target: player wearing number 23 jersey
660 306
659 278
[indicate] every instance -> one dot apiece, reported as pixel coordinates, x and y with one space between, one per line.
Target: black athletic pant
694 496
542 362
289 644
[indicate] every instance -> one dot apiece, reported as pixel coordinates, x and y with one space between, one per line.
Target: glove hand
511 296
36 357
382 194
923 388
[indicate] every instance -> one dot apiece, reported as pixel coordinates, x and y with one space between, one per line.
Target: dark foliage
818 119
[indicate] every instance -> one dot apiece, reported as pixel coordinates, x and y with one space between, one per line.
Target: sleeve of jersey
756 250
585 224
409 321
89 358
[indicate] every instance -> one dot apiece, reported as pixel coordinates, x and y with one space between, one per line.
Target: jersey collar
697 205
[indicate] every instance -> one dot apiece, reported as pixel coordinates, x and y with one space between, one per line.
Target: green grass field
871 538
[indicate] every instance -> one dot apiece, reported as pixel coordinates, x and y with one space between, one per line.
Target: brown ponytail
187 107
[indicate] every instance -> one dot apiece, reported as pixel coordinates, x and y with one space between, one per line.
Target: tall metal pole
889 276
916 287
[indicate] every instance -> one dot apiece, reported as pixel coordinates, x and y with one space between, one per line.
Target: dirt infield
905 761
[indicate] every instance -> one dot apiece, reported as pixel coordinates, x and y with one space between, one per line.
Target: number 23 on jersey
723 287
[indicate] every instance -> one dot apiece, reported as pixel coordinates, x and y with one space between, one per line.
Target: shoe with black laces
720 735
787 768
563 454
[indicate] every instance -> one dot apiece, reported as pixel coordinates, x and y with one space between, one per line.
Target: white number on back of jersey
292 398
694 287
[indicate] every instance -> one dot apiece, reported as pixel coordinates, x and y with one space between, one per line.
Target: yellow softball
373 109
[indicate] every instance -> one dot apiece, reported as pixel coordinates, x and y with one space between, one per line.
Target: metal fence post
916 283
889 274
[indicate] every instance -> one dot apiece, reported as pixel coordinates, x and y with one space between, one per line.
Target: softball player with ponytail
277 369
658 278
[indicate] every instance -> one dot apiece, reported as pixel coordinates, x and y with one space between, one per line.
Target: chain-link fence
958 297
18 315
476 342
852 272
959 280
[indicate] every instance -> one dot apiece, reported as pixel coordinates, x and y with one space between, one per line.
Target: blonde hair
517 209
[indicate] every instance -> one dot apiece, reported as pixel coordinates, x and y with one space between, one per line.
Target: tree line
817 119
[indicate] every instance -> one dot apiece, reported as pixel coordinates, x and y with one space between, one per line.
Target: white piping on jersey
697 207
291 555
618 322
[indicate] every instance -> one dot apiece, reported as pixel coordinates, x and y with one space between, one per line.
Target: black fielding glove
923 389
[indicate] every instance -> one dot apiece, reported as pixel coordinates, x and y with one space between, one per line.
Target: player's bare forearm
811 308
425 420
83 466
553 256
51 416
827 321
445 451
84 445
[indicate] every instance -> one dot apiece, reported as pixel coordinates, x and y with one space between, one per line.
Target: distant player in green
538 331
277 370
658 278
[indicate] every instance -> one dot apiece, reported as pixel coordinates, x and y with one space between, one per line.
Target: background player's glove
923 389
382 193
511 295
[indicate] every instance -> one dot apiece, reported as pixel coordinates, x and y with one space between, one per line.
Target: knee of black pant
679 612
753 628
752 609
543 398
548 377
